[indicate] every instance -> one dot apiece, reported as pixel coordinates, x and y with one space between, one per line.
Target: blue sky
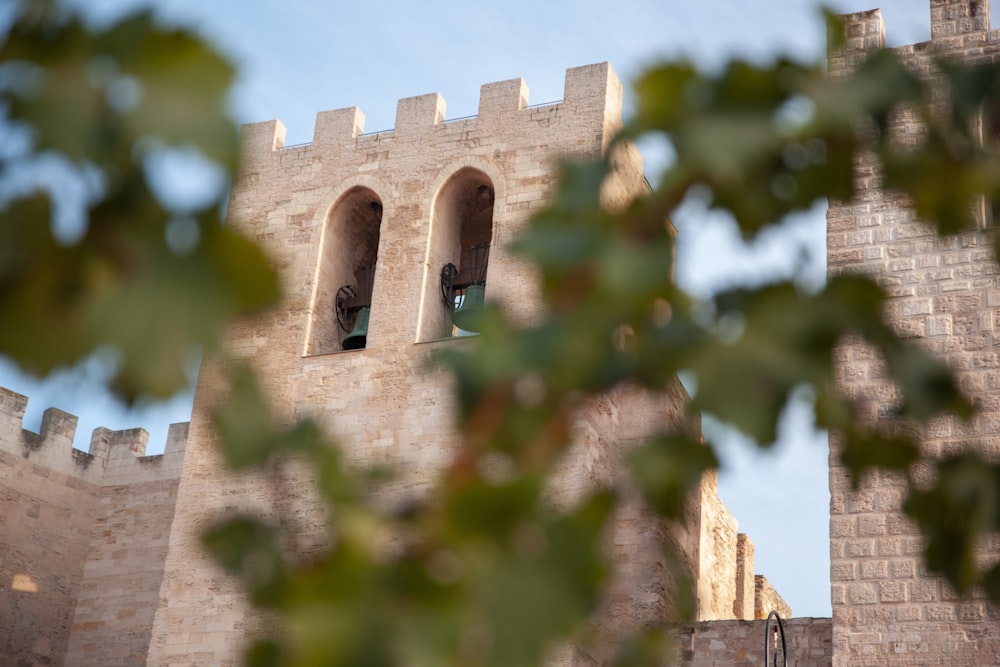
299 57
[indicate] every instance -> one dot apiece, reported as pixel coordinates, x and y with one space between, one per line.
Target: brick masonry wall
886 609
741 643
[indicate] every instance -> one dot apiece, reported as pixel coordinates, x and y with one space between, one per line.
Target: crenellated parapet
592 94
862 33
113 458
394 203
82 538
960 29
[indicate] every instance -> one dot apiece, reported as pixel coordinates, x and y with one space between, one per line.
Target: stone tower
886 609
382 214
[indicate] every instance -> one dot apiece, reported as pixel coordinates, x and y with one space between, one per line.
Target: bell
467 316
359 334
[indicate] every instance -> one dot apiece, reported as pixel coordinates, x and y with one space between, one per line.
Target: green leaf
266 653
249 435
546 585
42 285
961 504
249 548
99 99
863 451
668 469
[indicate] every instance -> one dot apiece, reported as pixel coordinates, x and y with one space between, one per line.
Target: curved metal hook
448 274
344 318
771 658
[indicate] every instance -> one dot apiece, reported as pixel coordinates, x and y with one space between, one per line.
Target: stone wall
61 509
45 529
382 402
746 591
767 599
945 292
741 643
717 561
120 589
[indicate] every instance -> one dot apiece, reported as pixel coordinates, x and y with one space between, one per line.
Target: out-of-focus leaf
183 85
947 201
972 89
249 548
668 469
770 345
962 504
41 284
265 653
338 612
991 582
863 101
103 99
864 451
539 589
133 81
927 383
480 507
249 436
482 571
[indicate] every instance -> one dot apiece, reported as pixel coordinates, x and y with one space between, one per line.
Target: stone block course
741 643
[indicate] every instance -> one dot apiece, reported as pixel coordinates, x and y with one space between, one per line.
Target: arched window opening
463 232
345 280
354 295
463 290
354 308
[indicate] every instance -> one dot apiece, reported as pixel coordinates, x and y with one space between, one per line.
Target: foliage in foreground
489 573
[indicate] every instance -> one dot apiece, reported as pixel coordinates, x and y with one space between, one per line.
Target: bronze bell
467 317
358 337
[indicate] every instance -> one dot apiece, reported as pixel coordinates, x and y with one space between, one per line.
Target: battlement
590 91
114 457
956 26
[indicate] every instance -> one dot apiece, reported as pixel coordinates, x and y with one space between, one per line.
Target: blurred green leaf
669 468
40 287
249 548
962 503
133 87
249 435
